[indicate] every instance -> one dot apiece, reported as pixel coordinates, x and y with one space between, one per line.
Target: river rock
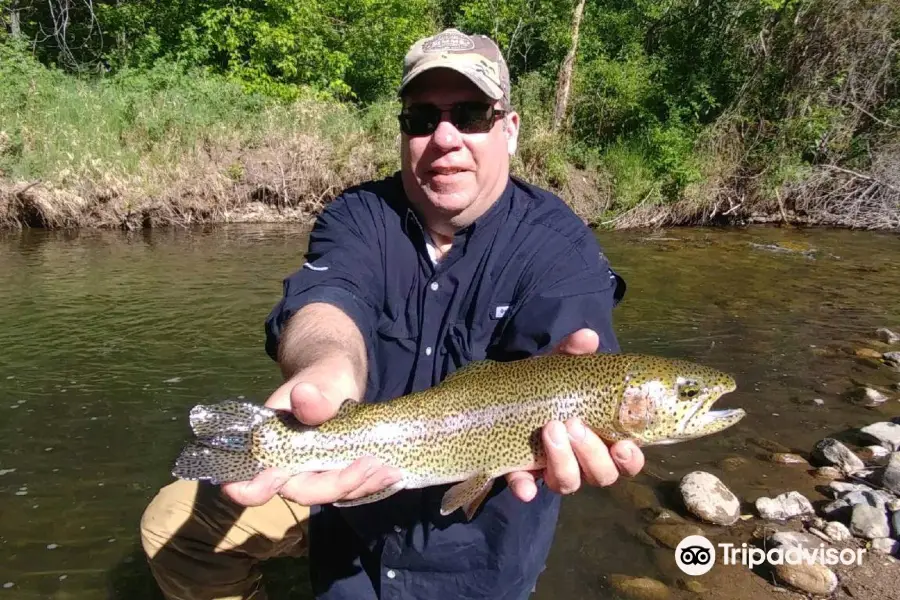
893 505
832 452
876 498
892 357
784 506
671 534
794 539
874 455
895 524
827 473
867 397
887 336
869 522
770 445
639 588
660 515
811 578
886 546
885 433
867 353
842 508
837 531
890 478
708 498
787 458
692 585
845 487
732 463
638 496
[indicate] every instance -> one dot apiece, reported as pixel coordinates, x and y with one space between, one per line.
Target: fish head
665 401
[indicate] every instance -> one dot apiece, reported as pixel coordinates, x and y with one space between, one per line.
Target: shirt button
428 351
434 286
391 574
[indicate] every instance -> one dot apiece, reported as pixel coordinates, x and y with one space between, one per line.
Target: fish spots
487 417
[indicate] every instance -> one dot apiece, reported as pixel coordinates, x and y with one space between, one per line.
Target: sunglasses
467 117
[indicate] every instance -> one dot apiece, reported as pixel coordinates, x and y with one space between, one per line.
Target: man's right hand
314 396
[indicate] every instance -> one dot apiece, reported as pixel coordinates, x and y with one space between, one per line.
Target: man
407 280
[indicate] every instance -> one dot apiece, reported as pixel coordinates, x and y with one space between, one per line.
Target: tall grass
169 145
175 146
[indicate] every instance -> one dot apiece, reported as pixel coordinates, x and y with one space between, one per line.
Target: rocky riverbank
837 504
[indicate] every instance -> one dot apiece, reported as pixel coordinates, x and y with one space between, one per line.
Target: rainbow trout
480 423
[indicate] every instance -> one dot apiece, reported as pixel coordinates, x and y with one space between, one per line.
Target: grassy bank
166 146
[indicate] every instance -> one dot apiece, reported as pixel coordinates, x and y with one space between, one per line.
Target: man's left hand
574 452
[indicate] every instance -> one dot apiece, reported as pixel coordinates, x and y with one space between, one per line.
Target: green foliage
801 78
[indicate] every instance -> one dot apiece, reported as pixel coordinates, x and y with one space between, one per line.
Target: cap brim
490 89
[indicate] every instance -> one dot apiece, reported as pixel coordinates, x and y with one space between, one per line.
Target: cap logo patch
448 40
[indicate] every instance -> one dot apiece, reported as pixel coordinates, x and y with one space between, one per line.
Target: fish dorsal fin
469 369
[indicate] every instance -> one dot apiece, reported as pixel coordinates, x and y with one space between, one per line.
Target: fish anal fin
375 497
467 495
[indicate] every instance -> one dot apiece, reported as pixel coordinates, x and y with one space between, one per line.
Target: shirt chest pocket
478 328
399 323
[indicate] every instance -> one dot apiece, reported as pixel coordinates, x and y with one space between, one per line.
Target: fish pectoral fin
468 495
379 495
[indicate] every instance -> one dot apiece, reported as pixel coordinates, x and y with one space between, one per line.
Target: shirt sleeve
571 289
342 268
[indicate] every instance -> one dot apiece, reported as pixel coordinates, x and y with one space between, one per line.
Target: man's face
453 177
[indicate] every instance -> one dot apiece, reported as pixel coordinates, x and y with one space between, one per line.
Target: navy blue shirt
516 282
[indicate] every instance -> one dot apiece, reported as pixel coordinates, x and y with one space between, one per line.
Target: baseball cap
475 56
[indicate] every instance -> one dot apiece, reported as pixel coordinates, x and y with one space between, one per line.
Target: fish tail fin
198 462
223 450
227 425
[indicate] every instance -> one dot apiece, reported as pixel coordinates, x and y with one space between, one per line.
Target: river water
107 339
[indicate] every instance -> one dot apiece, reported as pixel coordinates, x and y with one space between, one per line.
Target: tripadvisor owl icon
695 555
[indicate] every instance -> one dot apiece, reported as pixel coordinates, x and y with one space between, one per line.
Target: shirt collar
486 222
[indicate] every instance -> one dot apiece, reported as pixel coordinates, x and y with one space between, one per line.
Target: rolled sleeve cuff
354 307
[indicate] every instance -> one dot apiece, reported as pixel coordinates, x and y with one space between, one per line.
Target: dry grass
288 177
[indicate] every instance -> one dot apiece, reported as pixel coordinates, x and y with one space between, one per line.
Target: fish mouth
702 421
716 420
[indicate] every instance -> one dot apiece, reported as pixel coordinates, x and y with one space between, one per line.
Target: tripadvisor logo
696 555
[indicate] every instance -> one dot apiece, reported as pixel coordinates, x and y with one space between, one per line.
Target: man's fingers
257 491
583 341
593 455
628 457
363 477
562 473
522 484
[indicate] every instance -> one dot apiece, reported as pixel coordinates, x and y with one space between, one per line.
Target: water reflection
107 338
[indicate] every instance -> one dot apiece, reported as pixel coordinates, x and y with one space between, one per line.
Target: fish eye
688 389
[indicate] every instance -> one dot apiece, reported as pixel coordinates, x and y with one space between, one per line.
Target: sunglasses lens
420 119
467 117
472 117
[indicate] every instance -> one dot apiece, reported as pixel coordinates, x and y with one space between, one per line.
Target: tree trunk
15 29
566 70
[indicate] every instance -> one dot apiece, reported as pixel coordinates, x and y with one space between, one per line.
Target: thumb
583 341
310 405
